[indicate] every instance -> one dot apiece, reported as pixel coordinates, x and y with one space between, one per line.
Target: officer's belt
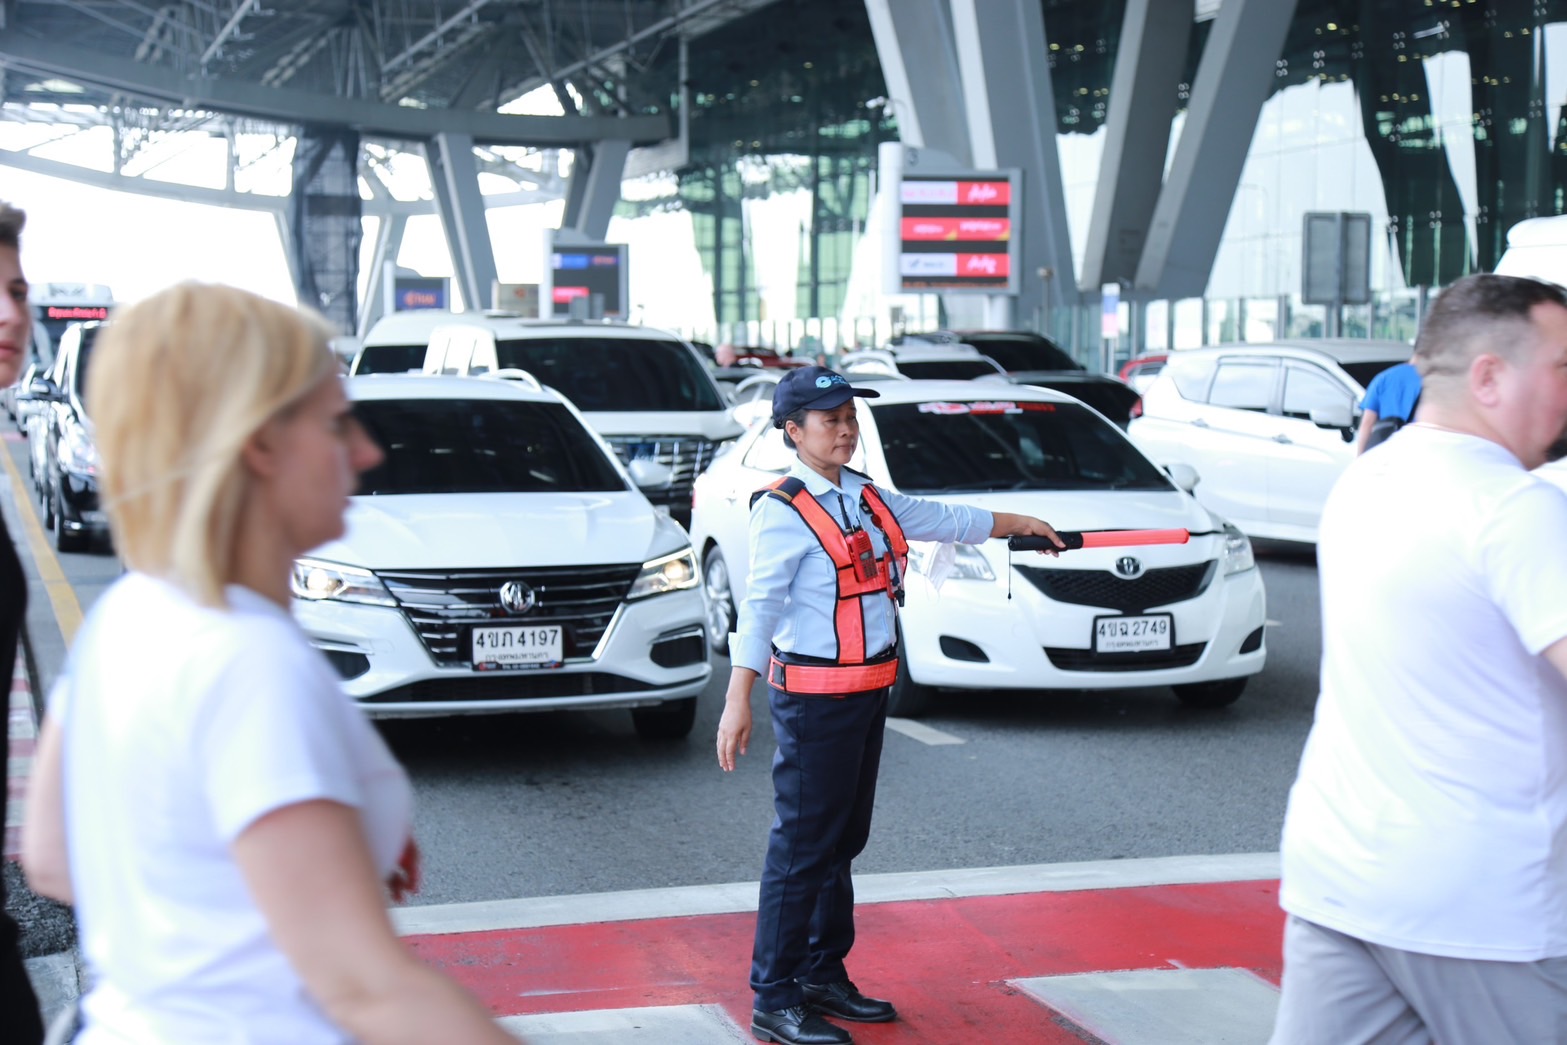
831 680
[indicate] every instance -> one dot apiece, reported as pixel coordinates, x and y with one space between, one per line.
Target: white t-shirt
183 725
1430 813
1555 472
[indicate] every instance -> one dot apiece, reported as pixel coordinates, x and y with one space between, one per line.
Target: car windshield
942 446
389 359
1364 372
945 369
482 446
1022 353
615 374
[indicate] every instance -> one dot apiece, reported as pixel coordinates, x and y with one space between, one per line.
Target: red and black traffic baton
1074 539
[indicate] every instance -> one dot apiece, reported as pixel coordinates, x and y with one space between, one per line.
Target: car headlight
667 573
77 453
1237 551
315 580
968 562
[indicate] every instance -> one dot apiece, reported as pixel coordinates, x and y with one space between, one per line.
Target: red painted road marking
946 963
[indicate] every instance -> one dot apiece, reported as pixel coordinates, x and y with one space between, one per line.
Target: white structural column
1233 80
1011 112
595 189
388 244
1148 67
919 61
454 177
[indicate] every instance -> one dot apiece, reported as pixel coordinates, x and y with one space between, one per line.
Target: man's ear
1485 378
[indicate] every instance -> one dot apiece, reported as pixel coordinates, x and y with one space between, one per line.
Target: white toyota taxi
1020 620
501 559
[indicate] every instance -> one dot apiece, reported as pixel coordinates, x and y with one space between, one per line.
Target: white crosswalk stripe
1163 1006
661 1025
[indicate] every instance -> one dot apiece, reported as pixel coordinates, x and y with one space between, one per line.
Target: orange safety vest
851 674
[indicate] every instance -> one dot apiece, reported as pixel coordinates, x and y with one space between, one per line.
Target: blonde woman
221 815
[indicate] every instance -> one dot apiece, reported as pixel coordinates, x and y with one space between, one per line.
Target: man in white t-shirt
1425 846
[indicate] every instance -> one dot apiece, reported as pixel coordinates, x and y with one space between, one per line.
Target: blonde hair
177 386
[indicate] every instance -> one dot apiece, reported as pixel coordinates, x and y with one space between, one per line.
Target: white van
644 390
1538 248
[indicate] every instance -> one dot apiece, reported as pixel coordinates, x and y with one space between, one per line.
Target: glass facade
1442 119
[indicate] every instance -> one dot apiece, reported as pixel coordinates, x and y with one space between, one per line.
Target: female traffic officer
828 551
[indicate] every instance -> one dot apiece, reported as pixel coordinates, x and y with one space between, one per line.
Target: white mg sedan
1005 620
502 560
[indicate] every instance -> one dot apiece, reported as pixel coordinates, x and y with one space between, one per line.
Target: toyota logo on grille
1127 566
517 598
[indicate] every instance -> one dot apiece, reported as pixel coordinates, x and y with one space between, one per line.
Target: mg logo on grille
517 598
1127 566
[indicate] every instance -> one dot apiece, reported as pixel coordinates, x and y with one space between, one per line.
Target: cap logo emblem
824 382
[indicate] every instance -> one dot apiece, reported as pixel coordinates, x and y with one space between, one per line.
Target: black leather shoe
797 1025
844 1000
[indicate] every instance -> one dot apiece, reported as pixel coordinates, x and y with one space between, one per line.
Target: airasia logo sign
981 192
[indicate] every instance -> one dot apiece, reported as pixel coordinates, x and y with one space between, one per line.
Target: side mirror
1337 416
650 475
1184 476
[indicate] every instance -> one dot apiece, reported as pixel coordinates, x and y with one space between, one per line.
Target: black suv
68 487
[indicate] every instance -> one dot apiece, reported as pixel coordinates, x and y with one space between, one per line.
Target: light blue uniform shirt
793 590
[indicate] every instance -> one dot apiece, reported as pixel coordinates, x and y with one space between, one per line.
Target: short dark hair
1483 313
11 221
798 417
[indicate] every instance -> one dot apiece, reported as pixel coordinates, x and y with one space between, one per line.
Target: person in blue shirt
1392 396
827 557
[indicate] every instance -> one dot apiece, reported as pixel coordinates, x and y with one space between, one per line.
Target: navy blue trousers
824 785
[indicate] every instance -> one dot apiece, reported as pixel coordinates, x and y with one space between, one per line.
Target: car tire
671 721
1220 694
46 504
64 540
721 615
908 699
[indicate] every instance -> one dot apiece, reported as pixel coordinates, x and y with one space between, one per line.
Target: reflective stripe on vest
827 680
848 614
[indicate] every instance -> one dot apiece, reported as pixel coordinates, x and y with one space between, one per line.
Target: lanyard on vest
855 565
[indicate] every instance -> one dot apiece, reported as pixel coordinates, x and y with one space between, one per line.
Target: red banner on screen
985 193
565 294
998 229
997 265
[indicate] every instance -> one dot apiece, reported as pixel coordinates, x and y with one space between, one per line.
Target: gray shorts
1338 990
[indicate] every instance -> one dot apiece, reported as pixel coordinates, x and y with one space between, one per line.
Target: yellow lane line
67 611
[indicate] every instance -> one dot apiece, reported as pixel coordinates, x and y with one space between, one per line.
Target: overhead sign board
955 232
410 293
594 276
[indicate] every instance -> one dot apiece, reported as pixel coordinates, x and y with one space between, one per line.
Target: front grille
510 685
687 455
444 606
1157 587
1149 660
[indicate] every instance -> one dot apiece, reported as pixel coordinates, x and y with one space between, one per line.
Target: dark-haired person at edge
19 1015
827 552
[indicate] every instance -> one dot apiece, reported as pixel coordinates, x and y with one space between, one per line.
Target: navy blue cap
813 388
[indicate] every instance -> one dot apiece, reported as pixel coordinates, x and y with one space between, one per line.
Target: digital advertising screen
956 233
586 272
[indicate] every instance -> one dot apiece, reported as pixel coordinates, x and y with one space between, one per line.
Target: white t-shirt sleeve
1523 558
269 735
